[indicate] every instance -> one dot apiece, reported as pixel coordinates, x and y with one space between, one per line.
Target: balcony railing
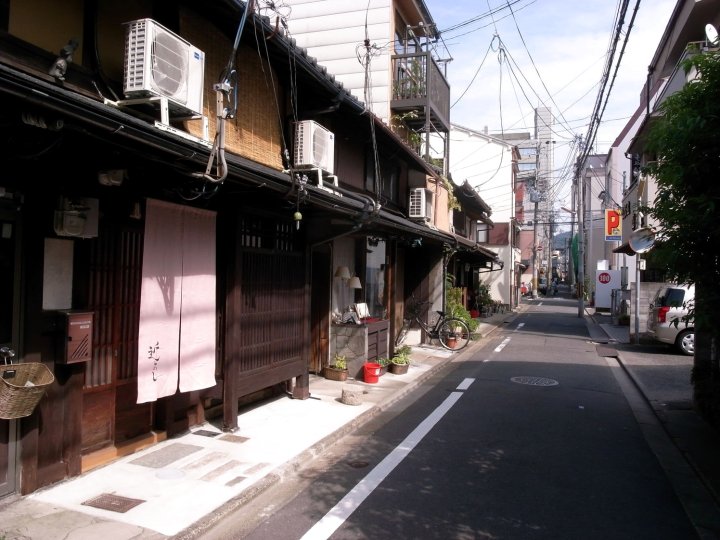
419 86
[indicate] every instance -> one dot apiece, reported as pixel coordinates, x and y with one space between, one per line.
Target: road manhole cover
534 381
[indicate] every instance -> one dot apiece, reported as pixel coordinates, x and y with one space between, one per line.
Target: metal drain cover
534 381
115 503
206 433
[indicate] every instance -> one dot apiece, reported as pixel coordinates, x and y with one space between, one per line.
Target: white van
667 317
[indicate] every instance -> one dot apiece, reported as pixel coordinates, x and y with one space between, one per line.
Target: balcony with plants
420 101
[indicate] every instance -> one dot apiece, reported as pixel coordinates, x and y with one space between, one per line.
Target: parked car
668 318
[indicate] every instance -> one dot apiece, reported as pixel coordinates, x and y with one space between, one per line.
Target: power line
489 13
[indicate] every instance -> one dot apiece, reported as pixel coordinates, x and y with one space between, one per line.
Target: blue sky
555 54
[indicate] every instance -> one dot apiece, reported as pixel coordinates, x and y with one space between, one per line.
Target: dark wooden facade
273 271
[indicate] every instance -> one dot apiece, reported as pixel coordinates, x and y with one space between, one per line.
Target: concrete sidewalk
663 377
181 486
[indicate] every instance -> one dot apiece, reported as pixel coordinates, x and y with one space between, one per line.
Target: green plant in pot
384 363
400 363
455 309
337 371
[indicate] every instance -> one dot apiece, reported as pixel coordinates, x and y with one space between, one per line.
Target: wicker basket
21 388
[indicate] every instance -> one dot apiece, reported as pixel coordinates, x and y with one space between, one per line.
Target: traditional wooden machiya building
176 201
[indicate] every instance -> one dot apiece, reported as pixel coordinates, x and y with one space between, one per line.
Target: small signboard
613 225
605 282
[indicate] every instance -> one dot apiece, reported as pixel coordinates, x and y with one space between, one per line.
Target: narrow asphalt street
206 484
552 438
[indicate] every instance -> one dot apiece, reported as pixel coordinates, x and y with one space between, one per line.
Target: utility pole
535 247
571 266
549 202
535 198
551 246
581 241
548 259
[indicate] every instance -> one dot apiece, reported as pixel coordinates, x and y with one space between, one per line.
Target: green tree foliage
685 140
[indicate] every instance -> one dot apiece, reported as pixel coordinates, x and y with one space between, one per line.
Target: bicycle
452 333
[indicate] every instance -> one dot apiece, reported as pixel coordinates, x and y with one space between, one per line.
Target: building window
481 232
389 174
374 290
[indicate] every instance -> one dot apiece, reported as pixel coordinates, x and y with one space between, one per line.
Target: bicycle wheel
454 334
402 334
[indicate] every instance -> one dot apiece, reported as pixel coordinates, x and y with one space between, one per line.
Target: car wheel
685 342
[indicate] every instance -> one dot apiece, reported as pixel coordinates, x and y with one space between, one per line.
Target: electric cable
477 71
532 60
599 105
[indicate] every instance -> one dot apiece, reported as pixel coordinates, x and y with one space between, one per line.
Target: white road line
502 345
505 342
337 515
465 384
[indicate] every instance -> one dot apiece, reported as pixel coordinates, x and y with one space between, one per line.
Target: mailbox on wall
78 331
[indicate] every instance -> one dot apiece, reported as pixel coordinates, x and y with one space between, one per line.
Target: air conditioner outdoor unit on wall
420 203
77 216
314 147
159 63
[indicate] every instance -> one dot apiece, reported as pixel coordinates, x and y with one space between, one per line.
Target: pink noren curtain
197 328
177 304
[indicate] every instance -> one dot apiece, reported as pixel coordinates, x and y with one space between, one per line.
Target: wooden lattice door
110 412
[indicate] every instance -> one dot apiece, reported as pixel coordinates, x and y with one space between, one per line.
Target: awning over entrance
476 256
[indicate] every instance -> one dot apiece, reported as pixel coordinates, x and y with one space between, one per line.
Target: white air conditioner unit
420 203
77 216
314 147
159 63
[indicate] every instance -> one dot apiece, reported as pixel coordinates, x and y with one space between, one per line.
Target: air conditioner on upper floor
314 147
420 203
159 63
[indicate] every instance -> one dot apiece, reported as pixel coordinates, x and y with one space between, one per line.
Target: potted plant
337 371
384 362
483 300
400 363
455 309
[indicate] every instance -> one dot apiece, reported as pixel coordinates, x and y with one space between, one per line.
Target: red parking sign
613 225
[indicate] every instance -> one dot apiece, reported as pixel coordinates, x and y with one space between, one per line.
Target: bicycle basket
21 388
